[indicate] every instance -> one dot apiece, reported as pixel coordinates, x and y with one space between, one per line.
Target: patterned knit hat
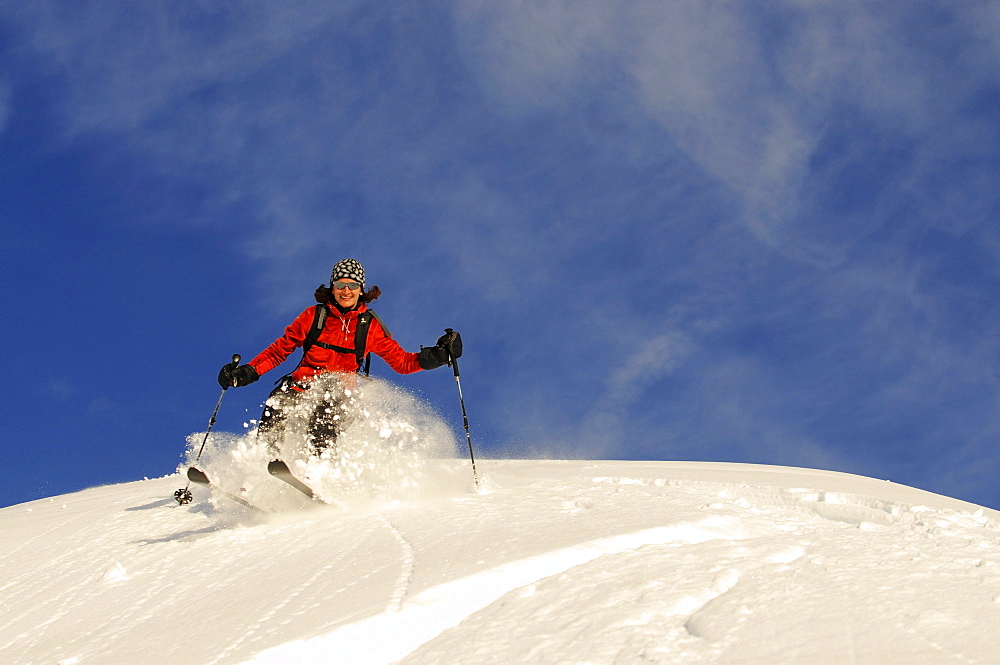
348 269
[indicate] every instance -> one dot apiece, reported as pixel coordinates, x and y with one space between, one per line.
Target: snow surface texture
558 562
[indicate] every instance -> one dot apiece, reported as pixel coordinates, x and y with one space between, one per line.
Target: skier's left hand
432 357
451 341
448 346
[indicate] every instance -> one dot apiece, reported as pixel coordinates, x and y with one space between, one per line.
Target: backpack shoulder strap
361 340
319 320
380 322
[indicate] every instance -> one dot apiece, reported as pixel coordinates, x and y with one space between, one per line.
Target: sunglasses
346 285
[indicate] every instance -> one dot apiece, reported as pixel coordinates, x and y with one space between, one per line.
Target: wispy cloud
760 98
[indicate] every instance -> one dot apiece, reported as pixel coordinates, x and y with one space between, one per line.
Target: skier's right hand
233 375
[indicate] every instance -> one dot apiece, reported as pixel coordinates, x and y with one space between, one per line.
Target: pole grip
236 361
452 360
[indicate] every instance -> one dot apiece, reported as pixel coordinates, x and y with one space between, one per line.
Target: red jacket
338 331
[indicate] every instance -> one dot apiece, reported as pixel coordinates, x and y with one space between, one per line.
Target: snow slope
556 562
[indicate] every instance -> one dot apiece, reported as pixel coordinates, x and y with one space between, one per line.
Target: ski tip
277 466
196 475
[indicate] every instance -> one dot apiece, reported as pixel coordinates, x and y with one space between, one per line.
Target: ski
280 470
199 477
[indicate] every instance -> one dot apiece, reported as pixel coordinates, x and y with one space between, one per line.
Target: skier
336 335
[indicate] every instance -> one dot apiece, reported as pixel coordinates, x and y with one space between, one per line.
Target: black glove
451 341
233 375
437 355
432 357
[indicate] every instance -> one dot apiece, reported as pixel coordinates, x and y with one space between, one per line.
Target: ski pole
458 382
183 495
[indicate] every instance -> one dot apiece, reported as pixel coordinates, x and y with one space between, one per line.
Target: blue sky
668 231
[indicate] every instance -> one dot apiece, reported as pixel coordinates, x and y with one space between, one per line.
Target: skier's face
346 296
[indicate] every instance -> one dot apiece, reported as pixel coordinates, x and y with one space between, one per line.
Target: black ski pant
324 415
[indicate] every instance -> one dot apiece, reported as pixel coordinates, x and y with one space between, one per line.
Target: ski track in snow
293 594
407 564
559 562
429 613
